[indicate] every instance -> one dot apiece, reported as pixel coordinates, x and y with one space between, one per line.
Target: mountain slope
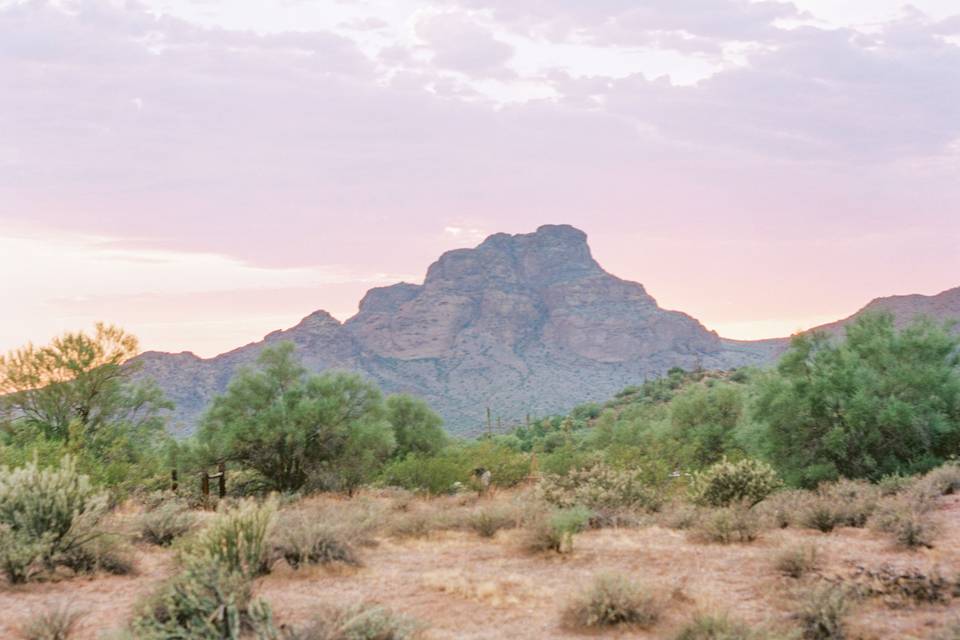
523 324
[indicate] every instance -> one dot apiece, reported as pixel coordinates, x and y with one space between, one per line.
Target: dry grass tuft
58 623
823 613
613 600
717 627
727 525
360 622
797 561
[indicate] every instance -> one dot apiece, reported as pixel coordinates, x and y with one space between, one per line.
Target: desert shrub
99 553
238 538
894 484
600 487
301 542
726 482
783 508
359 622
942 481
206 601
910 525
726 525
853 501
711 627
928 585
949 632
822 613
797 561
818 513
57 623
45 514
680 516
415 524
487 521
613 600
554 530
166 523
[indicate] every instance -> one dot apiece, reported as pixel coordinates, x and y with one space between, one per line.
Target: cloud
691 25
457 43
297 149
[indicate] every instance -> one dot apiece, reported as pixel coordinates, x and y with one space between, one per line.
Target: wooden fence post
205 486
222 480
173 480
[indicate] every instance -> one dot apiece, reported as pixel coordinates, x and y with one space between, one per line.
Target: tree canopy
882 401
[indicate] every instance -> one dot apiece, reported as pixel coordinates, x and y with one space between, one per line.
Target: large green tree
881 401
415 425
292 427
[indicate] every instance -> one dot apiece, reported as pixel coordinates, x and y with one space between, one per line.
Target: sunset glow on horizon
203 173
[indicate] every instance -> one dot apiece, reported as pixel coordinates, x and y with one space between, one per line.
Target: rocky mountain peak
551 254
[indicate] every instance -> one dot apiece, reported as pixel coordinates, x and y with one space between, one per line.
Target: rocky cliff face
523 324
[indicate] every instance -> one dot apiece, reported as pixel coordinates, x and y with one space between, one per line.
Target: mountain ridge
523 324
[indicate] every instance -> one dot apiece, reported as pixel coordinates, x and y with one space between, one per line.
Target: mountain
941 307
523 324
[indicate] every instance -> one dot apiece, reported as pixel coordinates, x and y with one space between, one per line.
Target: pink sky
205 172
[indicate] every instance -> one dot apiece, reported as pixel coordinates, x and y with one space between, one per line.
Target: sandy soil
466 587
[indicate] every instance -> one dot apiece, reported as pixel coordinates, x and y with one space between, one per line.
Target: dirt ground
466 587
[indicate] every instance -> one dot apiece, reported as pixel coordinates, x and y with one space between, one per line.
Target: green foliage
600 487
205 601
703 419
166 523
292 428
726 483
417 429
80 396
238 539
359 622
45 516
614 600
439 474
880 402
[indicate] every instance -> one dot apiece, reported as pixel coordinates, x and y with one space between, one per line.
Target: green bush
613 600
46 516
58 623
600 487
206 601
727 525
436 475
726 483
166 523
238 539
359 622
